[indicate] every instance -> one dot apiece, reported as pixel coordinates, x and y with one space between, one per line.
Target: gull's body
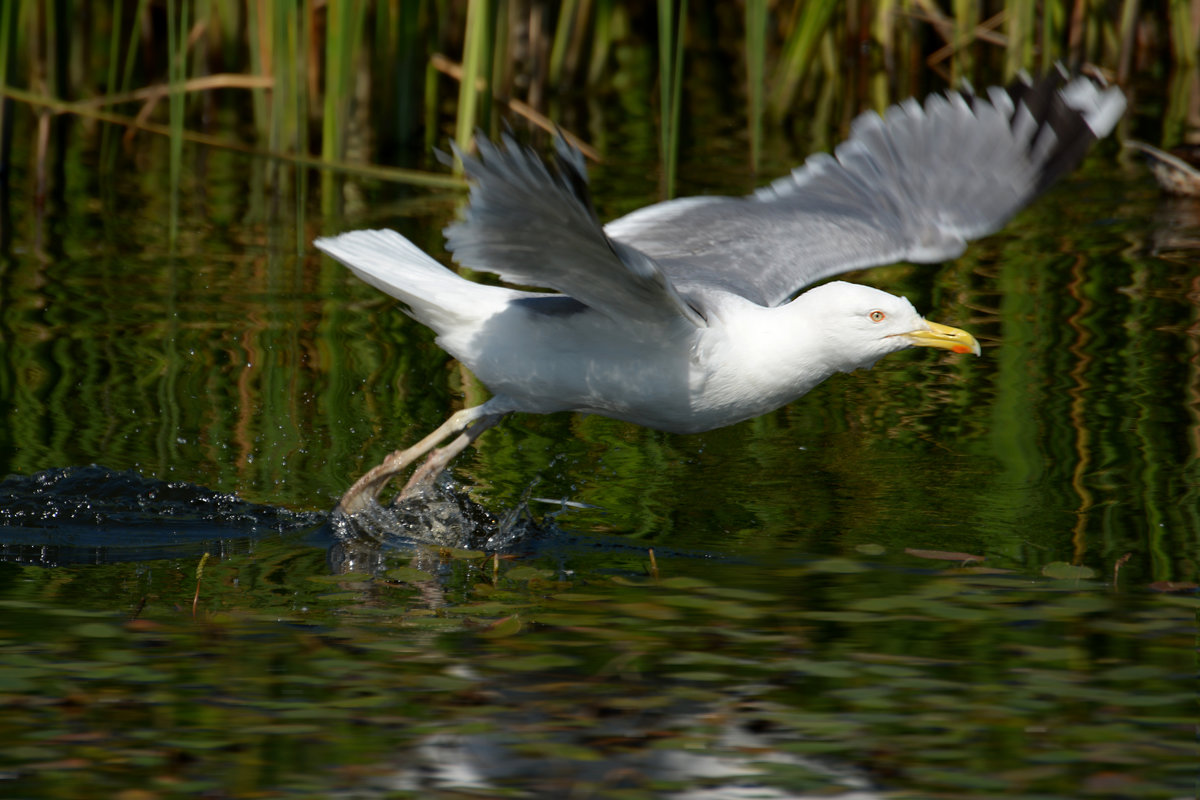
683 316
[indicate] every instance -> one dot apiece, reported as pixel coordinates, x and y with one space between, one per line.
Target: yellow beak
945 337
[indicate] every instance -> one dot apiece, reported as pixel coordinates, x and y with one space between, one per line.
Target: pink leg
439 459
367 488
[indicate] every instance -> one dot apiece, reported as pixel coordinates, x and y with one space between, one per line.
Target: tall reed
321 71
672 26
756 68
808 25
178 17
8 55
474 90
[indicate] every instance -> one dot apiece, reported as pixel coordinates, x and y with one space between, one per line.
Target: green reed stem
289 110
1179 106
344 20
756 61
335 105
1182 40
966 20
260 62
602 34
431 106
672 27
8 56
107 151
798 52
476 57
1128 38
1020 31
568 19
405 51
177 30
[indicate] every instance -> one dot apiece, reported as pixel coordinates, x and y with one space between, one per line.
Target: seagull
691 314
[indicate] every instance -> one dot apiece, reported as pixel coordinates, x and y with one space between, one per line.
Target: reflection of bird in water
680 316
1175 171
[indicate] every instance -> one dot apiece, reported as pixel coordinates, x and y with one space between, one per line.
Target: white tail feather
433 294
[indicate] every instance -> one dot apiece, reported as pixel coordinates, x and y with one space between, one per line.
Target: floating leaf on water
190 744
838 566
824 669
871 549
442 682
953 611
708 658
701 675
27 752
533 663
583 622
357 701
684 582
581 597
489 608
844 616
283 729
339 597
82 613
431 622
21 604
647 610
12 681
509 626
751 595
459 553
408 575
639 583
881 603
719 608
890 671
1064 571
526 573
944 555
1134 672
96 630
980 571
1180 600
1036 653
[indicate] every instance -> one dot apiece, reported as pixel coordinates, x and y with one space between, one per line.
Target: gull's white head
859 325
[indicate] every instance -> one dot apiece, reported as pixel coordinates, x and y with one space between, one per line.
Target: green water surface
947 576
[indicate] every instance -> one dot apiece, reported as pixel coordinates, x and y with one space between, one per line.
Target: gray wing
915 185
535 226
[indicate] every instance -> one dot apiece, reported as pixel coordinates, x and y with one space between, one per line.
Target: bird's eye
877 316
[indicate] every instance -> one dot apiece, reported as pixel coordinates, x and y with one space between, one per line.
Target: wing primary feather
532 223
915 184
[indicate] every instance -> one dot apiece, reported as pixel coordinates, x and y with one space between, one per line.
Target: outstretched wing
534 225
915 185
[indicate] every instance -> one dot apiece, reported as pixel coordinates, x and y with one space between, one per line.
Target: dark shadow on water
95 515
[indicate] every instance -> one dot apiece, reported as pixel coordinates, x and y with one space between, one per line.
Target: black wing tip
1076 109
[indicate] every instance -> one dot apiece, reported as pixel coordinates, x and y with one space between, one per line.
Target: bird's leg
440 458
368 487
